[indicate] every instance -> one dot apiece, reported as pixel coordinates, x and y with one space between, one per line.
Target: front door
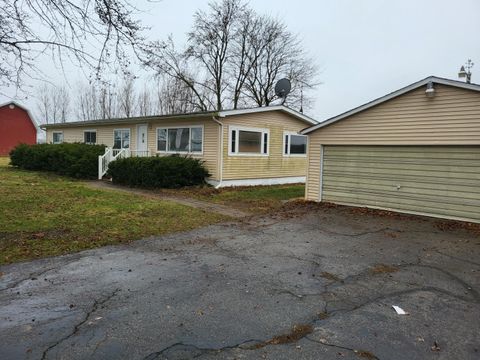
142 138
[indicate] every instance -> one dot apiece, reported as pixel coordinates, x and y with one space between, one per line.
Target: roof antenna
282 89
465 71
301 99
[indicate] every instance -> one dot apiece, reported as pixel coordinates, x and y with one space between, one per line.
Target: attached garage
407 152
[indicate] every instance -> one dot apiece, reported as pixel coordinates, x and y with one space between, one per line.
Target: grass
4 160
45 215
257 199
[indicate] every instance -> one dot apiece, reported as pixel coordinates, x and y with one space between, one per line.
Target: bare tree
145 106
165 59
60 104
210 43
280 54
44 104
237 57
249 43
175 97
87 102
126 98
91 33
53 103
108 101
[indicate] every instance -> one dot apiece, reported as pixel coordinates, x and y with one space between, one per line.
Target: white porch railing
114 154
139 153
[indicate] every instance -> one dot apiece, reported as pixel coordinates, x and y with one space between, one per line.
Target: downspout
320 190
220 166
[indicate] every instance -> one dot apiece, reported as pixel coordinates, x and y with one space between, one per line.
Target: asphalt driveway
310 283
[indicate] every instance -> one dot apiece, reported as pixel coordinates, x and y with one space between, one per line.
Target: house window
294 144
249 141
180 140
121 139
161 139
57 137
90 137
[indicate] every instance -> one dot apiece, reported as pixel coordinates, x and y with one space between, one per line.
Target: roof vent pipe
430 92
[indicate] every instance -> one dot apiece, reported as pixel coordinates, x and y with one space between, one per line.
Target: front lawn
44 215
254 199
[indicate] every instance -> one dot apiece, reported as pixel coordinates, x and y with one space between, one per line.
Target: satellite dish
282 88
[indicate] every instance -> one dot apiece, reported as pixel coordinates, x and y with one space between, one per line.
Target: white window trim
129 137
199 153
263 131
53 137
90 130
289 134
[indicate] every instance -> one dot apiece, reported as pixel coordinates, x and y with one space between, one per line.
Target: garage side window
121 138
90 137
294 144
57 137
249 141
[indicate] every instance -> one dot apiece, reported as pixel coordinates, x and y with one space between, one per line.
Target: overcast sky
365 48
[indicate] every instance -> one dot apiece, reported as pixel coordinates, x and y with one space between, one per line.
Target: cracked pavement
239 291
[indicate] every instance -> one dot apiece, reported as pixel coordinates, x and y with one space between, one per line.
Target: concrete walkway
195 203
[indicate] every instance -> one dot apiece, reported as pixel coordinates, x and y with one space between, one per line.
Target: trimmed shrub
74 160
158 172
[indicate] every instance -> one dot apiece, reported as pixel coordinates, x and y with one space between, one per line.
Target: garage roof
433 79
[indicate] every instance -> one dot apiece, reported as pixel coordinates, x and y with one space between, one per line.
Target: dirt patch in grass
252 199
383 269
298 332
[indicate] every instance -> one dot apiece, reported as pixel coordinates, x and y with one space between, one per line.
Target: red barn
16 126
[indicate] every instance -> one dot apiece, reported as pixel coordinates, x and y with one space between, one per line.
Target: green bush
158 172
74 160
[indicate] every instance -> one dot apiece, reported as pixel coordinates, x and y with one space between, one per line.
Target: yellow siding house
259 146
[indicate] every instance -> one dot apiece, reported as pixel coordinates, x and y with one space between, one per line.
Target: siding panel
451 117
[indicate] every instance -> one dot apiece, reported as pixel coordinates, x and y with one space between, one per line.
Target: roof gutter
132 120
